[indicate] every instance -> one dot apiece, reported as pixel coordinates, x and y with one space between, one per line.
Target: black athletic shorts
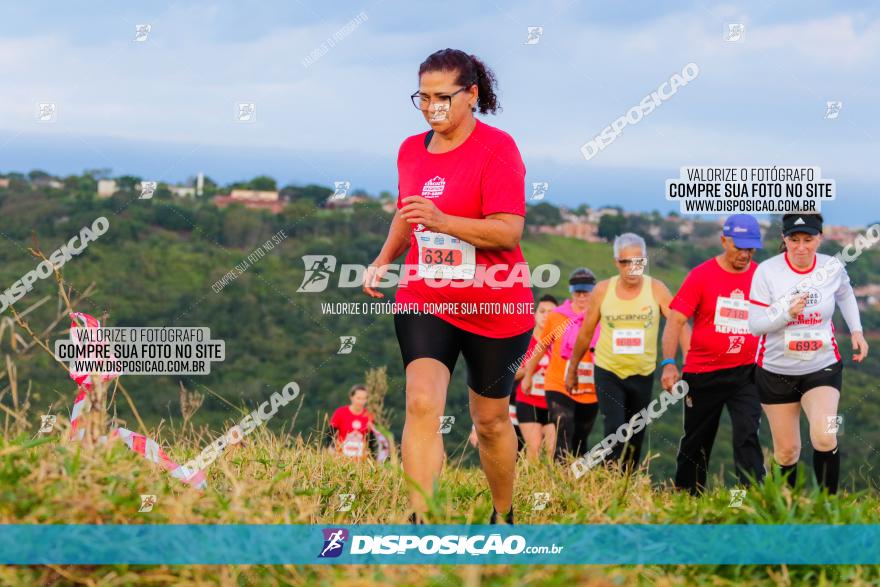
527 414
788 389
488 360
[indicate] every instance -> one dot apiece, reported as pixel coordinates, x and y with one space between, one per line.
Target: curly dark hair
470 71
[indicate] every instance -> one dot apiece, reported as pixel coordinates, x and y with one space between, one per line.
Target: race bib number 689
628 341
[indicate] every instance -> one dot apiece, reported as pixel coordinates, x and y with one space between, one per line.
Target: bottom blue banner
439 544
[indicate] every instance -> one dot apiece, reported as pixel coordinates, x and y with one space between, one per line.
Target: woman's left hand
571 378
859 344
419 210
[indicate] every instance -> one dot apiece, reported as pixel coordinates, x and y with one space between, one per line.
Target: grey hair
629 239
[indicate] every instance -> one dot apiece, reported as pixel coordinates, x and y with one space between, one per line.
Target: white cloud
836 41
751 98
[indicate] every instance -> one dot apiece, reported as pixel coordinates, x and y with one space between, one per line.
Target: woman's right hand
798 303
372 276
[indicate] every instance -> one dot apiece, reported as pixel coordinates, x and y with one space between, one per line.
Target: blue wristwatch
665 362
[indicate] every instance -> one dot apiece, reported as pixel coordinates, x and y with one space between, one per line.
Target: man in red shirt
352 425
720 364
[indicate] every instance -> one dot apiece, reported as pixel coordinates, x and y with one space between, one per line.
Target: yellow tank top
628 339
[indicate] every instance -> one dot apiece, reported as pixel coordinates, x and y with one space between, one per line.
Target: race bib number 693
804 345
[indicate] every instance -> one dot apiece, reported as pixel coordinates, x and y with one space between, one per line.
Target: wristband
665 362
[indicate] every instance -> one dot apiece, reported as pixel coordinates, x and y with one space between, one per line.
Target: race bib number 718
732 313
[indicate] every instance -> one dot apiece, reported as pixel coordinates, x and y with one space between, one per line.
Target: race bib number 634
445 257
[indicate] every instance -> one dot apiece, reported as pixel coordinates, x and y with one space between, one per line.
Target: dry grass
276 478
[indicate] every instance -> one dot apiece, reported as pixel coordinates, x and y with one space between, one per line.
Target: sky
164 108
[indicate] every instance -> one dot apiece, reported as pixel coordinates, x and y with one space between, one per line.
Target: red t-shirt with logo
482 176
351 431
539 401
719 302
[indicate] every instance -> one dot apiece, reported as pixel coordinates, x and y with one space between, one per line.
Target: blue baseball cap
744 231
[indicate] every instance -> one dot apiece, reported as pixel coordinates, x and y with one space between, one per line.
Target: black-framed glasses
633 261
423 101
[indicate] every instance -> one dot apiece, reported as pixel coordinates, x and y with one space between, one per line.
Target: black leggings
573 421
620 399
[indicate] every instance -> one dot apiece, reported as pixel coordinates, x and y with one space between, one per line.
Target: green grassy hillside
157 264
156 267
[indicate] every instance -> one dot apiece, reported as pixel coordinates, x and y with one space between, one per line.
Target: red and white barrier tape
146 447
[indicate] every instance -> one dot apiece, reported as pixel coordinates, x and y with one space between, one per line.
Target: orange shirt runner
554 377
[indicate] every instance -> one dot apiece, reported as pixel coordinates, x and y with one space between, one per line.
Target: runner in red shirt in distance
352 425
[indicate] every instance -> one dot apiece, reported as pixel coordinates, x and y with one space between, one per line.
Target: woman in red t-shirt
465 284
